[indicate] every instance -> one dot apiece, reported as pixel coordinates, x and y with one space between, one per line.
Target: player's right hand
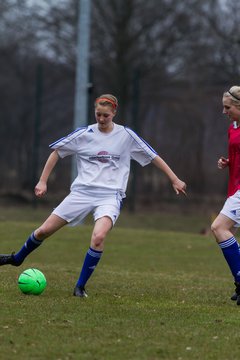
40 189
222 162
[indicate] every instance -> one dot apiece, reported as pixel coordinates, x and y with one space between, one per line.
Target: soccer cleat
236 295
8 259
80 292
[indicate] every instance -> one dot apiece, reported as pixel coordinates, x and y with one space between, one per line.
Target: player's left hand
179 186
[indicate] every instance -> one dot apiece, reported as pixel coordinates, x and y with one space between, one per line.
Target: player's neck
107 129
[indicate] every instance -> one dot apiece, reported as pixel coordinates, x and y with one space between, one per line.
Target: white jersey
103 159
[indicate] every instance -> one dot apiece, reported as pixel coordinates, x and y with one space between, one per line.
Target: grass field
156 294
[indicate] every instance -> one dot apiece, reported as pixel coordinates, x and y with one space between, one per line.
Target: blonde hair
107 99
234 94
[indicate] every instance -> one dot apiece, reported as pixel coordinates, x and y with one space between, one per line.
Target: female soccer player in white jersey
225 225
103 152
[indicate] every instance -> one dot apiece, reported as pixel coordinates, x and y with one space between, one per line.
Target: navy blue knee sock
31 244
91 260
230 251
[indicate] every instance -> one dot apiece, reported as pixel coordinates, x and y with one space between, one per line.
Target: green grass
156 294
170 220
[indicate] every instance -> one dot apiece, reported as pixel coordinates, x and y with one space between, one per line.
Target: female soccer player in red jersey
103 152
225 225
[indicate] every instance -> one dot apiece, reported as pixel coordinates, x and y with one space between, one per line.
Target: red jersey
234 159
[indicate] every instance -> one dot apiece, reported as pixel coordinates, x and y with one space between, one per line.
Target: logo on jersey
104 157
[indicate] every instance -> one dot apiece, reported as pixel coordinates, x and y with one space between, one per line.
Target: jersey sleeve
68 145
141 151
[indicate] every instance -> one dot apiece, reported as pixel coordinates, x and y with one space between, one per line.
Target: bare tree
177 50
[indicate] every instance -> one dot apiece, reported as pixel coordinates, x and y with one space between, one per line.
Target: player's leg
101 228
67 211
234 231
222 228
50 226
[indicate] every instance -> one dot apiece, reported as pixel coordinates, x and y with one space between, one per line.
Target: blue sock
91 260
31 244
230 251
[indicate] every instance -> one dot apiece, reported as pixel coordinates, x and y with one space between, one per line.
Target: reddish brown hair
107 99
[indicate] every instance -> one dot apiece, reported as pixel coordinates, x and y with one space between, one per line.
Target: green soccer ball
32 281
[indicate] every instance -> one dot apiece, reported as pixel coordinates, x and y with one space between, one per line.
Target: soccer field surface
155 294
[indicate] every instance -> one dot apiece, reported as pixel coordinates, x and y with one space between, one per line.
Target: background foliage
168 63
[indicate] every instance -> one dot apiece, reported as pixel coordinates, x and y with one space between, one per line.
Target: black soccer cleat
80 292
8 259
236 295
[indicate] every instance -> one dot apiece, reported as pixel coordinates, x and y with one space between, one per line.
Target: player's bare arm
178 185
41 187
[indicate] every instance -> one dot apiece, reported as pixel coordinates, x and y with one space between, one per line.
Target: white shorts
78 204
231 208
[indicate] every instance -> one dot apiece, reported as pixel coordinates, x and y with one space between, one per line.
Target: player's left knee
98 239
216 227
213 228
